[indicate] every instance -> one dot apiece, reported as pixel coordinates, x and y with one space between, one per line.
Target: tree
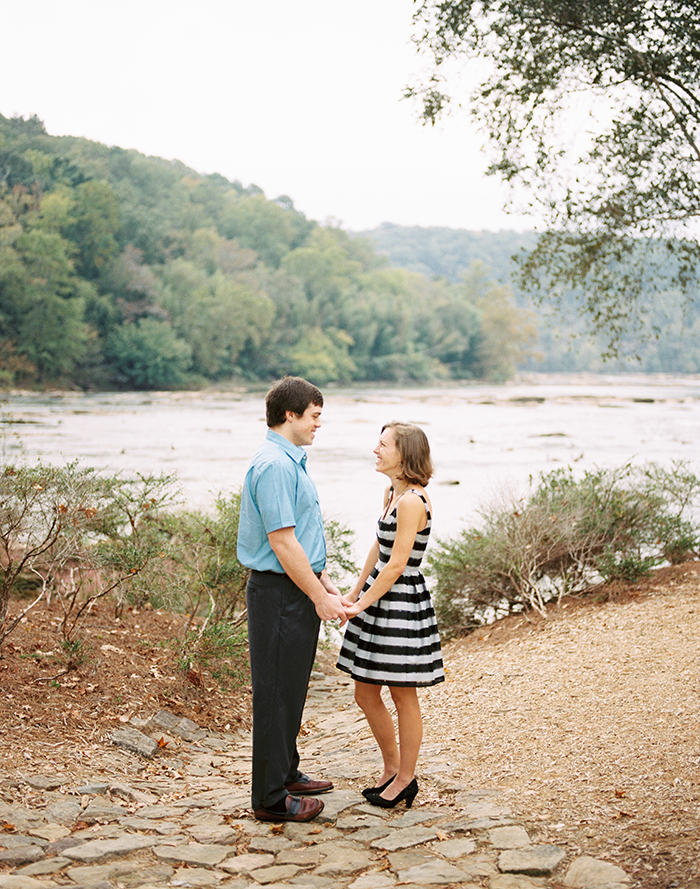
269 228
94 224
149 355
76 533
217 314
596 107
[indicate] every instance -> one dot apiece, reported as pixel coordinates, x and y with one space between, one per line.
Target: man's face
302 429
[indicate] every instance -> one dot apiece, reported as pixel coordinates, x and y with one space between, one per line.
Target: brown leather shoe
297 810
306 787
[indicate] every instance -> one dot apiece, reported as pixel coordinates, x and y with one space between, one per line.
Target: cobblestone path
177 815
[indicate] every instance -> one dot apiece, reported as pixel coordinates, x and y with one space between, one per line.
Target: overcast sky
300 97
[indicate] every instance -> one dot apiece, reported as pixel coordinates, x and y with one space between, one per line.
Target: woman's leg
369 699
410 737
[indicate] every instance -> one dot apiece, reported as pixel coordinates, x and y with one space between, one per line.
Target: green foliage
149 355
74 534
538 337
340 563
567 537
221 648
439 252
123 270
269 228
621 193
323 356
199 572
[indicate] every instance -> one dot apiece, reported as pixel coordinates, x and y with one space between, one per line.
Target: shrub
79 534
340 562
72 533
198 572
201 576
569 536
221 647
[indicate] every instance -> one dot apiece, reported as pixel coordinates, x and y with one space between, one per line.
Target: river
485 438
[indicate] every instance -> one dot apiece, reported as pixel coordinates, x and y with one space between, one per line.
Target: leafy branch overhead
595 109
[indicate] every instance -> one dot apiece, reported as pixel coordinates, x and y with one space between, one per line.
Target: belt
279 574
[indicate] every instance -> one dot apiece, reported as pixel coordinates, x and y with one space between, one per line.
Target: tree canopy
121 270
594 107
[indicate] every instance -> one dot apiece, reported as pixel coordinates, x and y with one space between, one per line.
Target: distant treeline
669 341
121 270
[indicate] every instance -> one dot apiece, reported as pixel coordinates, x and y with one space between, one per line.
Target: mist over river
485 438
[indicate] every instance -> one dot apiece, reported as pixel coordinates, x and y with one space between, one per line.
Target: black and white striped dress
395 641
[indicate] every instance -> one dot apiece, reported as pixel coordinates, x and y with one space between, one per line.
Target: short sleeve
275 495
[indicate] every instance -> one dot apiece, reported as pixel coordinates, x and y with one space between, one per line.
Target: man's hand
322 591
330 608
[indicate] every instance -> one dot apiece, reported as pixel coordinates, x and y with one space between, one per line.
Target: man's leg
282 636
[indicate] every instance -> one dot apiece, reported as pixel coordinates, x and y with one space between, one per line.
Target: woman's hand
352 611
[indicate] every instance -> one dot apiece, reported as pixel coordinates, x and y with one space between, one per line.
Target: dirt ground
55 719
589 721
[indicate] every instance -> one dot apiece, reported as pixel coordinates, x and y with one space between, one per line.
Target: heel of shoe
407 795
411 793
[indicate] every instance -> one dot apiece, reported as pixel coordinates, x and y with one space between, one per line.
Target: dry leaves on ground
53 719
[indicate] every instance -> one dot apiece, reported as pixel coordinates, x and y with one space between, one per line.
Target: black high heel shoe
409 793
379 788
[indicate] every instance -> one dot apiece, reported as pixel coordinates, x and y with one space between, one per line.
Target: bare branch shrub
83 535
566 538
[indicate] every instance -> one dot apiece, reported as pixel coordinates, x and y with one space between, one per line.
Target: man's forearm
296 565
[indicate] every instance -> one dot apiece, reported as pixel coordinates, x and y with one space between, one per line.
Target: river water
485 438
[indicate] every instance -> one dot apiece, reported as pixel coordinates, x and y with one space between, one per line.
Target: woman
391 637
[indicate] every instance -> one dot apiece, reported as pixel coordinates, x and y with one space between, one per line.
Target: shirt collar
298 454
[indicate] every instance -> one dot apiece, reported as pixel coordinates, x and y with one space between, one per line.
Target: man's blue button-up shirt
279 493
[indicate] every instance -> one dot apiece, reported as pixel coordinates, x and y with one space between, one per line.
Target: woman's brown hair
414 450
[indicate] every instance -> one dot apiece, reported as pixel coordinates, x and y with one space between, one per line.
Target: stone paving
180 818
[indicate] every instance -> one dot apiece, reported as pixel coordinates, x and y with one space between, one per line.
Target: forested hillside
668 342
121 270
449 252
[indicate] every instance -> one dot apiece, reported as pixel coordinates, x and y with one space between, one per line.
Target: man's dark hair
290 394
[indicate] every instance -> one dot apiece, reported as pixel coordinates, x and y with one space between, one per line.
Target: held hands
352 605
331 607
337 607
351 610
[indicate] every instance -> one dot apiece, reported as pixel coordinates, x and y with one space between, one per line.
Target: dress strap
422 497
388 503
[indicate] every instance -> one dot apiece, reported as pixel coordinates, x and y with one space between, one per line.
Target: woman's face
387 454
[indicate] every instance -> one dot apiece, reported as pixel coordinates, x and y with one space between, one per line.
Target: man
289 592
